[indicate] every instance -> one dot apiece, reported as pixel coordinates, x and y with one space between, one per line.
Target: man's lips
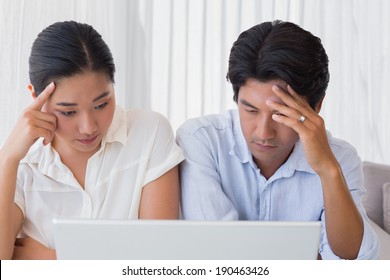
264 147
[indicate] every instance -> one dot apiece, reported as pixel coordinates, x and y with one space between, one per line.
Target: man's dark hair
280 50
64 49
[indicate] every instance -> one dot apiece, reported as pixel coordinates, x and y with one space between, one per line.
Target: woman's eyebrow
104 94
68 104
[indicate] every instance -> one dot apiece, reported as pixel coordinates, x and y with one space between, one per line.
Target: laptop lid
185 240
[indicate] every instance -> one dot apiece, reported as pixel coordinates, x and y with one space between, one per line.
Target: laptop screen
185 240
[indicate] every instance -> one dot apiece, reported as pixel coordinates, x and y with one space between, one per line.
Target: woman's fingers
42 124
33 124
43 97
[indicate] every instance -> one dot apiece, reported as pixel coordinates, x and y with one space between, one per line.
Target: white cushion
386 207
375 175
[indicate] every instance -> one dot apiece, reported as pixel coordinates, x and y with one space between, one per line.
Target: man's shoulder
342 149
210 123
338 144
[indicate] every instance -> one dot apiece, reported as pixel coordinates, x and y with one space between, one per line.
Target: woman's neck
75 160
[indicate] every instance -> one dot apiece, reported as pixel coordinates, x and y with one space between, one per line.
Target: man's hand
298 115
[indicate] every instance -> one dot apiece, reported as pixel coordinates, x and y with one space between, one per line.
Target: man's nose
265 128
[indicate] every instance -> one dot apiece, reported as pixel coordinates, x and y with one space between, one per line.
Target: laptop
185 240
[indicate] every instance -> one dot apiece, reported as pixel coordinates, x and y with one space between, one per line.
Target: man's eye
251 111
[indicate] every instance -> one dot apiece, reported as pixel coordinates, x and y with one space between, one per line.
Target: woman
95 161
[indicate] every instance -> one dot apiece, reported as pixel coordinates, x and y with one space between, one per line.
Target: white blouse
139 147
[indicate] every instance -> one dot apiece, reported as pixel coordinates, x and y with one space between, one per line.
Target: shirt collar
295 162
117 131
239 148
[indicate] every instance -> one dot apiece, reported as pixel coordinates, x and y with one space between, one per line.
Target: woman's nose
87 124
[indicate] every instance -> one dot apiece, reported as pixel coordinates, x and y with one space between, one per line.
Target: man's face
269 142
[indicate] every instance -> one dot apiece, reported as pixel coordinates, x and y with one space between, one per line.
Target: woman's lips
88 140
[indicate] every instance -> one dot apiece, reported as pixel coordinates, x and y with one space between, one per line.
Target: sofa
377 202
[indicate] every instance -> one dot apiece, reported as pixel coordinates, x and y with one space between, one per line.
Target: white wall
171 56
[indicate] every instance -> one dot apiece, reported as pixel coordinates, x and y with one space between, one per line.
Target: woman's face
84 105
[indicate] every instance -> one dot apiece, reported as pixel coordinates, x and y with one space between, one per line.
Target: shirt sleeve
19 199
164 152
202 196
353 174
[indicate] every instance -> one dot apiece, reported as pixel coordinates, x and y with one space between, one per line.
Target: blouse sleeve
164 153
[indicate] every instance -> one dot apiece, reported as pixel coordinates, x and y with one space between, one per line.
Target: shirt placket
90 184
264 199
87 205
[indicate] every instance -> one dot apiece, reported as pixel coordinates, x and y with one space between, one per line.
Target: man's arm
202 196
344 224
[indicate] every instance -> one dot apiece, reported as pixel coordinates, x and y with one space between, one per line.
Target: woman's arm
160 198
11 217
32 125
30 249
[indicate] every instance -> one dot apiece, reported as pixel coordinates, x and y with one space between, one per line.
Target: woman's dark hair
280 50
67 48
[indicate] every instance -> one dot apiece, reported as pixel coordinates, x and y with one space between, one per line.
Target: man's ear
30 87
318 106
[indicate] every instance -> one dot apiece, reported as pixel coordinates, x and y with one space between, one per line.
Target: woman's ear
30 87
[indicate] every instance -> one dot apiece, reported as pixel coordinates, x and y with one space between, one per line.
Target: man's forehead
280 83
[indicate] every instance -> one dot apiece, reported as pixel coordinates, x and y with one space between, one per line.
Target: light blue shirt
220 180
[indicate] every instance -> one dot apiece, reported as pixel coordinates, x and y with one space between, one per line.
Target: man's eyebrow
246 103
66 104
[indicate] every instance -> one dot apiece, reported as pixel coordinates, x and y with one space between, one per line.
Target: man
272 159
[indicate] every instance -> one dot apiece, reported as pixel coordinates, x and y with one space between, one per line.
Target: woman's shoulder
144 115
147 122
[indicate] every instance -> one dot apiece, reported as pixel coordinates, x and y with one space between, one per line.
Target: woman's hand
30 249
298 115
32 125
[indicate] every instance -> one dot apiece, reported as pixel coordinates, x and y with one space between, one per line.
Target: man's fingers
293 100
43 97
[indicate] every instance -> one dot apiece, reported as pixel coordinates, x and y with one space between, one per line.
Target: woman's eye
101 106
68 113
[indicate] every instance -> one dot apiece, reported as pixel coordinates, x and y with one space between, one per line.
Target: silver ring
302 119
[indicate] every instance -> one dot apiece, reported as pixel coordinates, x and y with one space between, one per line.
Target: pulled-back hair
64 49
280 50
